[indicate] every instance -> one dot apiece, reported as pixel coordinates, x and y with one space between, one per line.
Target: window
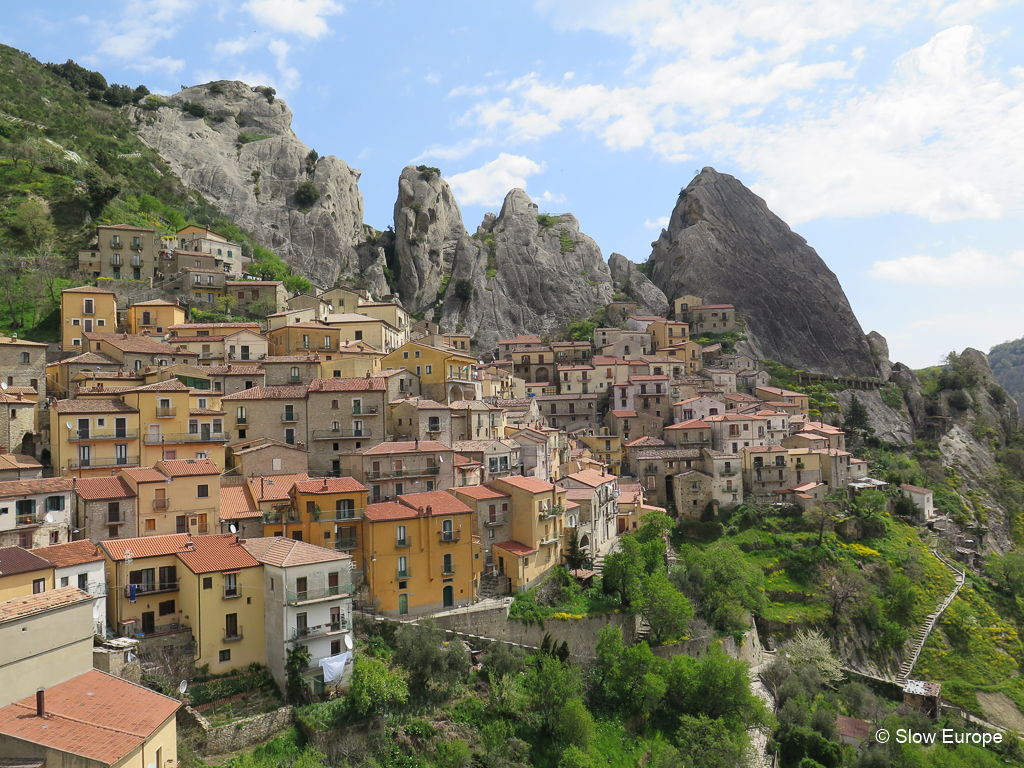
225 655
203 491
166 607
55 537
24 357
403 567
112 532
430 369
447 530
231 585
449 566
401 536
38 586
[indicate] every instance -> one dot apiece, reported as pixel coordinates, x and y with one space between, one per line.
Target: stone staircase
926 629
492 586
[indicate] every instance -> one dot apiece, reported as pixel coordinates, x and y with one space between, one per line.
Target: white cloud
239 45
549 197
289 75
455 152
304 17
432 79
658 224
488 184
963 268
468 90
139 26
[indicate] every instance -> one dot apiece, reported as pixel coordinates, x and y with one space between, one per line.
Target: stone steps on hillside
926 629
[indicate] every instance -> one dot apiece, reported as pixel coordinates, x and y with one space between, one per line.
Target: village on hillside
214 495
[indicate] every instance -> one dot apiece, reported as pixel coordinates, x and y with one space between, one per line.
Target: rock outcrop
723 244
244 157
522 273
891 425
628 279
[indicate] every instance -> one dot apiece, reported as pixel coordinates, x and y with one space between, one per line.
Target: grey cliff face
629 279
519 275
428 231
254 180
723 244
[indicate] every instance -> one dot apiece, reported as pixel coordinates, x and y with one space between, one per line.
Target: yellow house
537 526
90 437
343 300
303 338
208 584
354 359
418 554
607 448
445 374
778 394
23 573
155 316
324 511
181 496
178 422
665 333
394 314
86 309
687 352
682 306
378 333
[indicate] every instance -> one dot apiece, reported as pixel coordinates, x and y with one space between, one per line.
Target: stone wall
749 648
233 736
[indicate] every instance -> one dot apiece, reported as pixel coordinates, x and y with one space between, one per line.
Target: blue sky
889 134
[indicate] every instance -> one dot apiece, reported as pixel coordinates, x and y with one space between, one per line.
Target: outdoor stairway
926 629
599 564
491 586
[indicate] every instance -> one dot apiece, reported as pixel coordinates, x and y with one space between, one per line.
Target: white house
923 498
604 505
35 513
307 601
80 564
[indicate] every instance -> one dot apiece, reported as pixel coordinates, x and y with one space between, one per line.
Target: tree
464 290
819 520
34 223
575 556
666 609
870 503
810 649
722 583
297 284
374 688
297 660
574 757
843 585
624 570
550 684
502 659
1007 571
264 305
630 677
706 743
716 686
857 417
434 666
306 194
576 725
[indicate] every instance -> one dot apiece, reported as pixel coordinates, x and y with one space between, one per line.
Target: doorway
448 596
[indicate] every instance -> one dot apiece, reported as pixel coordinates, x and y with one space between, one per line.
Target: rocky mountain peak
724 244
630 280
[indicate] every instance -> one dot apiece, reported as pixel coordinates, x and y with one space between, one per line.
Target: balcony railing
233 634
354 513
364 410
449 537
289 416
403 543
346 542
115 260
166 413
496 519
35 518
335 434
403 573
550 539
320 629
241 421
277 516
231 593
448 570
292 597
161 503
136 260
102 462
381 475
186 437
151 589
103 434
294 379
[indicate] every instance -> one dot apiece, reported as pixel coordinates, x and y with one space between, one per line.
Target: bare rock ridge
245 158
522 273
725 245
632 281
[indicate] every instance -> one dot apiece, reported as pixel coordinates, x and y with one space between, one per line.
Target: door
148 623
204 432
83 429
501 564
403 604
332 583
448 596
154 434
120 427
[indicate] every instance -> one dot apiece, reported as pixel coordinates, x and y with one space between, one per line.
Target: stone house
80 564
570 412
721 378
264 456
498 458
598 505
35 513
417 418
656 467
204 240
122 251
248 292
766 470
231 378
733 431
135 352
577 378
277 412
104 508
492 519
773 394
693 492
17 466
697 408
476 420
681 307
350 414
23 364
291 369
713 318
629 346
538 512
534 453
238 508
154 316
923 498
394 468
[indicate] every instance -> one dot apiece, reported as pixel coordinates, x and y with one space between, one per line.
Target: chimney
430 510
40 703
3 449
325 483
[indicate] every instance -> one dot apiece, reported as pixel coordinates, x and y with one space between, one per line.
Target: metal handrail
293 596
105 434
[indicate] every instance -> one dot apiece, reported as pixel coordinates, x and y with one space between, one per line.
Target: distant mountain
1007 361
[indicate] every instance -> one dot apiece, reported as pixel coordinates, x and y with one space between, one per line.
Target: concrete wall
237 735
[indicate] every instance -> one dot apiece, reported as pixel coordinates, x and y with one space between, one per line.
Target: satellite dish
233 528
68 424
183 686
48 518
3 385
348 642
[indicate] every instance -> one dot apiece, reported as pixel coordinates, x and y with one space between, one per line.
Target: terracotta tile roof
608 360
274 487
205 412
521 340
481 492
18 461
138 343
712 306
330 485
529 484
144 475
236 503
515 548
518 402
442 502
579 494
766 449
72 553
89 358
216 553
424 446
195 339
691 424
853 728
648 440
155 303
28 605
212 325
262 443
667 453
291 359
285 553
782 392
17 560
464 461
285 392
95 715
10 489
734 417
419 402
170 385
592 477
358 384
147 546
624 414
914 488
236 283
188 467
388 510
92 406
87 289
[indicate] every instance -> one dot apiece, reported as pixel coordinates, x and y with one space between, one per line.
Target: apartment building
444 374
394 469
269 293
153 317
322 511
420 418
379 334
277 412
597 494
84 310
350 414
175 496
104 508
537 528
35 513
121 252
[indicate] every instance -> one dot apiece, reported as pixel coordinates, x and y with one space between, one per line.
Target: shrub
427 172
960 400
194 108
463 290
547 221
306 194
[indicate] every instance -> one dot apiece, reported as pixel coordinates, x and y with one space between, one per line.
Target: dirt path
1001 710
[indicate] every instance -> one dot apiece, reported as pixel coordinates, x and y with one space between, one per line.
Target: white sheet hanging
334 666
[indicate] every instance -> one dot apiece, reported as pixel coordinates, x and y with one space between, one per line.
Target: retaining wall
233 736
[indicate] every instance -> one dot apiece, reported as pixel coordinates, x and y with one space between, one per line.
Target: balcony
34 518
403 543
448 570
151 589
103 462
186 437
549 514
337 434
136 260
289 417
102 434
136 245
299 633
115 260
241 421
293 597
353 513
346 542
550 539
403 573
166 413
496 519
233 634
116 243
291 516
161 503
732 472
449 537
364 410
232 593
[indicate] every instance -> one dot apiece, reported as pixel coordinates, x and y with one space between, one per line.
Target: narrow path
922 635
757 752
